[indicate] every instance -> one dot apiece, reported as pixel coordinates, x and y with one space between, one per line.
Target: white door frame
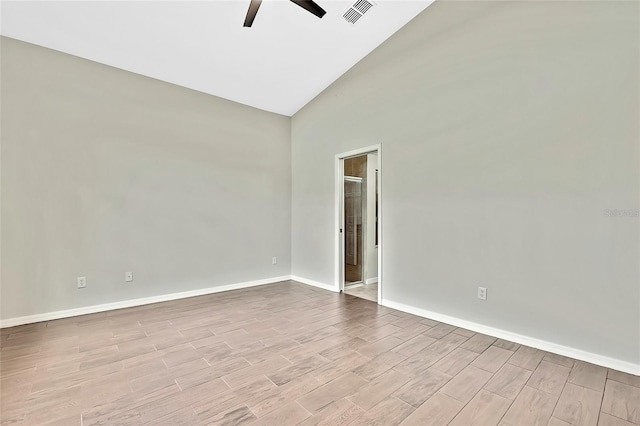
339 215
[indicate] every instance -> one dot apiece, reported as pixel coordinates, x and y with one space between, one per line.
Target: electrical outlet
128 276
274 260
82 282
482 293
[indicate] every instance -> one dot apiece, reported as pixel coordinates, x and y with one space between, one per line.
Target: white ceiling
286 59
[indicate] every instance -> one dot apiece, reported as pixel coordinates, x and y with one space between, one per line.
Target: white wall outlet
274 260
82 282
482 293
128 276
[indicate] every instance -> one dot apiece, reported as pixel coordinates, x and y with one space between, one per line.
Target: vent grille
355 12
362 6
351 16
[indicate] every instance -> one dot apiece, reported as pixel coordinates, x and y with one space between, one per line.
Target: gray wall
105 171
507 129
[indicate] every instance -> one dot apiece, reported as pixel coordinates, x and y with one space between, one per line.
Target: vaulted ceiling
286 59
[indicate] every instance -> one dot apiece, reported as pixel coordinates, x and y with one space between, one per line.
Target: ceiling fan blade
310 6
251 13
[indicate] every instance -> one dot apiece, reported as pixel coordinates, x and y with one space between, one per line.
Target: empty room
328 212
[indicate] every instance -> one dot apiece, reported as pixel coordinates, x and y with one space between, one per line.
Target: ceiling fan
308 5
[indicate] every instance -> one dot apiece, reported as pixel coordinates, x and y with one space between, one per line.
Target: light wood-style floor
369 292
289 354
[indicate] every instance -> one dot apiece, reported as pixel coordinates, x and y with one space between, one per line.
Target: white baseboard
314 283
12 322
593 358
555 348
371 281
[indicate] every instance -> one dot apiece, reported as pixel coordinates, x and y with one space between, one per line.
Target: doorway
359 251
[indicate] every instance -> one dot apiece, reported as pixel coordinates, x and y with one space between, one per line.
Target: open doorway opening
359 224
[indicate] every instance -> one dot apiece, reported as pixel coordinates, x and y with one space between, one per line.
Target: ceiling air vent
356 11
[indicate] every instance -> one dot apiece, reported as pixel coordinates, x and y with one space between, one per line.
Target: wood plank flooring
369 292
290 354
